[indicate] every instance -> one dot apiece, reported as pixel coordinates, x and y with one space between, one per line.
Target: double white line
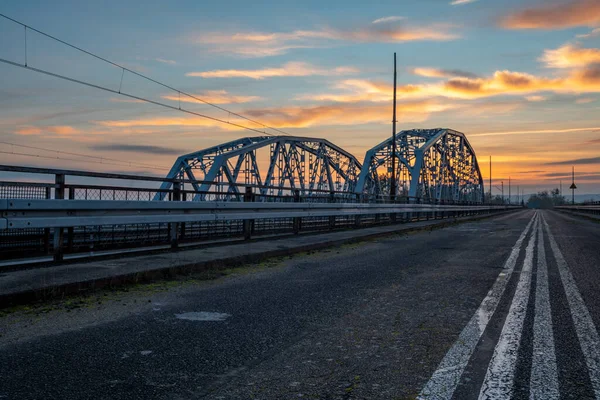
499 379
445 379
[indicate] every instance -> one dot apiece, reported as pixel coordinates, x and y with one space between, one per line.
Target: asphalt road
496 309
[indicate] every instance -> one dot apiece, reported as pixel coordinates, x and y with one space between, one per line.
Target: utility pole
573 186
509 199
393 182
502 192
561 187
518 195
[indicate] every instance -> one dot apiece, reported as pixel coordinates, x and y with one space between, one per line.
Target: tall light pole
393 182
509 200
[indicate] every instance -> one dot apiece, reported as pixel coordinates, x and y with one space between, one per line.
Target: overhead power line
125 69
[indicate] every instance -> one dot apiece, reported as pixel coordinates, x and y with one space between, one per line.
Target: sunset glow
520 78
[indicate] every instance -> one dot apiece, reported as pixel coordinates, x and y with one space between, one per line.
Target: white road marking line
499 379
584 325
544 376
445 379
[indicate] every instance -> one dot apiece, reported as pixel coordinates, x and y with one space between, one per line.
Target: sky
521 78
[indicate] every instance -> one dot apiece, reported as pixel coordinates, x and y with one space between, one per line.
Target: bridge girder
306 164
431 164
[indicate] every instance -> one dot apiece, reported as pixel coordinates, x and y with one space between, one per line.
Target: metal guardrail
585 208
94 211
72 226
129 189
19 214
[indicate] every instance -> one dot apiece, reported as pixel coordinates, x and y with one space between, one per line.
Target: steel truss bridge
251 187
307 165
433 165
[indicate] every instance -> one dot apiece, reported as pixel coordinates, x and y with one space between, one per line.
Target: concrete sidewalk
23 286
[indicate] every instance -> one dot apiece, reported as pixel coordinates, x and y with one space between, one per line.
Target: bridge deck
390 318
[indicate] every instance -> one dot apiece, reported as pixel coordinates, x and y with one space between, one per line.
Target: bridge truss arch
274 163
431 165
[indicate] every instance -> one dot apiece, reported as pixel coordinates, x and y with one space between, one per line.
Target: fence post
47 230
59 194
332 217
174 226
357 218
182 224
393 215
248 223
297 220
70 233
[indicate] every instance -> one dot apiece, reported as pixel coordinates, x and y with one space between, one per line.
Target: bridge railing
62 184
58 217
588 208
91 225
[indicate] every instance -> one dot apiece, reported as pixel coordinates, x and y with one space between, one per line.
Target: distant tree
557 198
545 199
494 199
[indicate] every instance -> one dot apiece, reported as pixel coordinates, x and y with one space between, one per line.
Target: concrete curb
186 268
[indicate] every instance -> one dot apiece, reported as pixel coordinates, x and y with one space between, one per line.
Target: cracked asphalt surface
367 321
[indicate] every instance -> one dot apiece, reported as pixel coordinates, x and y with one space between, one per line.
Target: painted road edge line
499 378
543 382
584 325
445 379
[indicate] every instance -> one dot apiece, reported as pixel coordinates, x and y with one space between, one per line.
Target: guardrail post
297 220
70 233
174 226
248 223
59 194
357 218
393 216
182 224
331 217
47 230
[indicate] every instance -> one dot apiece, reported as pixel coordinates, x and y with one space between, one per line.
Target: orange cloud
301 117
555 16
356 90
28 131
214 97
582 80
442 73
166 121
376 33
585 100
59 130
264 44
539 131
288 69
569 56
535 98
502 82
